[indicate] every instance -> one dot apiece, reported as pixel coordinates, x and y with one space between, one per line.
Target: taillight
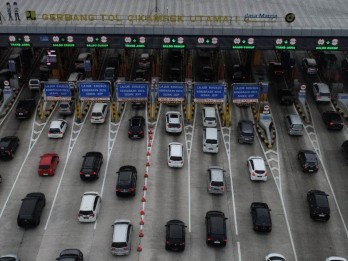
129 132
331 123
131 189
79 215
209 187
225 240
167 242
141 132
222 188
253 174
126 248
60 132
92 215
266 174
94 172
81 172
209 239
118 190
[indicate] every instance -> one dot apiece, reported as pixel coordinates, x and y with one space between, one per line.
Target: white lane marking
239 251
71 145
317 149
279 187
111 143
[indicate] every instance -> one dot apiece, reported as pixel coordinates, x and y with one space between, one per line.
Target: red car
48 164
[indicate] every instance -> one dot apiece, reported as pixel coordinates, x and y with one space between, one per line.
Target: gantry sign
235 42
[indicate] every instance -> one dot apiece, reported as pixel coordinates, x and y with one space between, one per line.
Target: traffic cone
146 175
141 222
145 187
147 163
143 199
148 153
139 248
141 233
150 137
150 131
142 212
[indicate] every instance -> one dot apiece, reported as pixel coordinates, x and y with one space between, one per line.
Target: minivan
210 140
209 117
66 107
121 237
30 212
89 208
294 124
99 112
245 132
216 183
175 155
321 92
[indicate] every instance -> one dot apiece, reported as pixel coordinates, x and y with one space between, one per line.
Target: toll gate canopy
224 24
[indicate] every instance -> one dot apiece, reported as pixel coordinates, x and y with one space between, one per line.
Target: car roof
120 229
56 123
45 159
217 173
259 163
87 201
99 105
322 86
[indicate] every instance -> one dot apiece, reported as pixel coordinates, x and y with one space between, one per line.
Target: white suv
121 237
89 208
216 183
257 168
57 129
173 122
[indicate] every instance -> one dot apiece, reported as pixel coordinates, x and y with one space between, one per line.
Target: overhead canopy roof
178 17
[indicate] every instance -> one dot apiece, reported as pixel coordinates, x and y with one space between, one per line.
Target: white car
57 129
257 168
173 122
321 92
335 258
9 257
89 208
275 257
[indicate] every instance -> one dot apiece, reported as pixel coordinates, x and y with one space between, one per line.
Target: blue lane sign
94 91
57 92
171 92
208 93
245 93
132 91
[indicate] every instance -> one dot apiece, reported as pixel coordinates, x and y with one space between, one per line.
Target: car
285 97
126 181
215 222
91 165
89 207
144 61
207 74
175 158
216 183
275 257
275 69
308 160
239 73
319 208
175 235
31 209
321 92
309 66
331 258
344 148
261 217
140 75
43 64
113 61
99 112
121 237
257 168
81 60
245 131
8 147
332 120
137 105
136 127
70 255
9 257
173 122
344 66
66 107
110 74
175 74
25 108
57 129
48 164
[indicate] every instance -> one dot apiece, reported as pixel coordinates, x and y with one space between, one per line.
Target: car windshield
175 158
135 122
322 201
211 141
64 105
119 244
262 215
209 119
54 130
217 183
311 158
96 114
7 259
42 167
335 116
86 212
5 143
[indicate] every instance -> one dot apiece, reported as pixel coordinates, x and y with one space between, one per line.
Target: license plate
217 242
20 113
87 175
85 217
135 136
310 170
321 215
45 174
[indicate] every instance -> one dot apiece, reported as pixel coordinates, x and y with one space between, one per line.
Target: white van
210 140
209 117
121 237
175 155
99 112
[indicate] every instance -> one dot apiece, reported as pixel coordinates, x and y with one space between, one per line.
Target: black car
8 147
308 160
261 217
207 74
275 69
25 108
216 228
239 73
344 148
319 208
126 181
175 235
332 120
91 165
175 74
140 75
70 255
30 212
136 127
285 97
